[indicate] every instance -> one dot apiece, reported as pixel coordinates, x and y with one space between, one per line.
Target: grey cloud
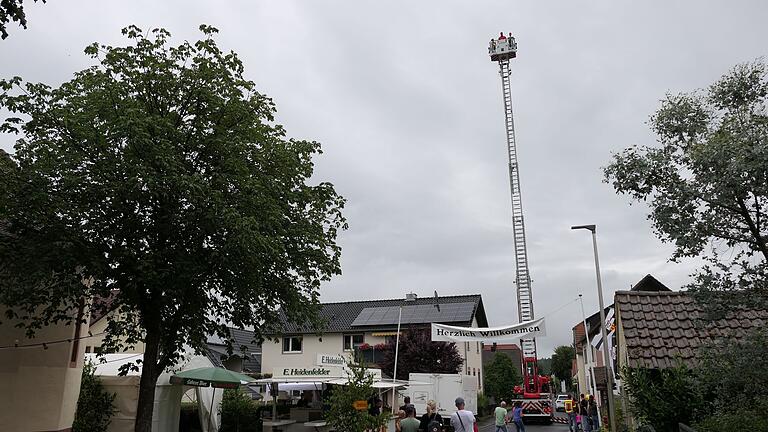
408 109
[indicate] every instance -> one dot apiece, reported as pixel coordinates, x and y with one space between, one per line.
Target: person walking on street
594 414
410 423
431 416
501 417
407 403
584 414
462 420
517 416
570 411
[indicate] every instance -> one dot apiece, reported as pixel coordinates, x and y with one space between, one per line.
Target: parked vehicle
443 389
560 402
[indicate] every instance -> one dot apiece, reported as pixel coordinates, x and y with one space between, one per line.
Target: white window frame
291 339
351 338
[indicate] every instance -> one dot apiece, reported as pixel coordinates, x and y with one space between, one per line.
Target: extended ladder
523 277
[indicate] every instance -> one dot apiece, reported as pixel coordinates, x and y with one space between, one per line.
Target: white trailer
443 389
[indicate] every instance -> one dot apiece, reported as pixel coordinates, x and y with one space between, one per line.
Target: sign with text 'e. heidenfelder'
303 373
331 360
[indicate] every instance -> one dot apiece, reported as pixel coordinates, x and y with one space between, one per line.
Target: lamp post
397 343
603 333
591 381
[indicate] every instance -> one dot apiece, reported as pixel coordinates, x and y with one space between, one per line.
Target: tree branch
753 228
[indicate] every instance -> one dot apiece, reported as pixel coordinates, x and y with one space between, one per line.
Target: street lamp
606 354
397 343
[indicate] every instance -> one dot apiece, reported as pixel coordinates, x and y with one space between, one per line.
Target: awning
384 333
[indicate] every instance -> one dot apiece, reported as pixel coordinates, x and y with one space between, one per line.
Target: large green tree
500 378
12 10
562 363
159 175
706 183
418 353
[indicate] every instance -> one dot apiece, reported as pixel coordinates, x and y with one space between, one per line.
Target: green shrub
239 413
342 416
94 405
482 404
663 398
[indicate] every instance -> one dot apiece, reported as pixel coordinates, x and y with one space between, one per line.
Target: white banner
527 329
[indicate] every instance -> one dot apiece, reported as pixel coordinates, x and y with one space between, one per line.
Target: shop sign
331 360
360 405
309 372
189 381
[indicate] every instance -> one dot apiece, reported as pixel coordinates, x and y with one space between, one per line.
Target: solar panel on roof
414 314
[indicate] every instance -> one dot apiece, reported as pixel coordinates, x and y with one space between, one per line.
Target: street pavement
488 425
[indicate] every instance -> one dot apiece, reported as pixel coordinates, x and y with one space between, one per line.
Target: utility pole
603 333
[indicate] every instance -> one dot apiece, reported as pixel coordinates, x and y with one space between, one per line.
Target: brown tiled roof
578 334
660 327
501 347
102 306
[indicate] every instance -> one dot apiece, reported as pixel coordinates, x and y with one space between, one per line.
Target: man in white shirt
462 420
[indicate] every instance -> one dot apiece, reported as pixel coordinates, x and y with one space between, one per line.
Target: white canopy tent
165 416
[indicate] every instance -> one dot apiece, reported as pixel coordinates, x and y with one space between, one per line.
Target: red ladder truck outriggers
534 392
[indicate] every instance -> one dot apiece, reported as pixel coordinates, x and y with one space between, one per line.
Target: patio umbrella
215 377
211 377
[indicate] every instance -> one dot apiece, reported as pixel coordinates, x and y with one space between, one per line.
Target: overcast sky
409 110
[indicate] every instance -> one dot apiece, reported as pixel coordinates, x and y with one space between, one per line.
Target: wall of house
272 354
623 360
98 328
40 386
581 375
332 343
472 353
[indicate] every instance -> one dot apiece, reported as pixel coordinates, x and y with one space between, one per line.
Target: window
292 344
478 347
351 341
473 371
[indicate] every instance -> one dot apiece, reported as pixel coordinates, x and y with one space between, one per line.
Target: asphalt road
488 425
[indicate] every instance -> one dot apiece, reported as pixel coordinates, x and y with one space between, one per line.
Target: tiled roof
647 283
501 347
660 327
339 316
102 306
242 346
578 334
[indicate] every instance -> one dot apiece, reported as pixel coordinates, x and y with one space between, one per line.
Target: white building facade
368 326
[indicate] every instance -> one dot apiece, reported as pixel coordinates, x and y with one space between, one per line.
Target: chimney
410 297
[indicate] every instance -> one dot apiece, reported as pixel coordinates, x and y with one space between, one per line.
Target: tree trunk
150 371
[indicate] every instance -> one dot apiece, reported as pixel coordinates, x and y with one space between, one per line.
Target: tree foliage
707 182
562 362
94 405
663 398
12 10
239 413
417 353
500 378
707 188
731 374
160 173
342 415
